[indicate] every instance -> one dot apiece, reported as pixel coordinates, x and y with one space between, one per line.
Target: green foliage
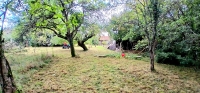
57 40
141 44
76 18
116 55
86 30
177 23
174 59
63 17
180 36
95 41
167 58
126 27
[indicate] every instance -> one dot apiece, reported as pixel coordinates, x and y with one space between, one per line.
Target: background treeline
178 36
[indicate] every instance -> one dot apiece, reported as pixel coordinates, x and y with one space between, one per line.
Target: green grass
90 73
25 63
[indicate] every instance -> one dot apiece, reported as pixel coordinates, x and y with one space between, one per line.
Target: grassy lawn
42 70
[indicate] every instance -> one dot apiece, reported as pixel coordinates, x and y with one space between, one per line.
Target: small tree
147 16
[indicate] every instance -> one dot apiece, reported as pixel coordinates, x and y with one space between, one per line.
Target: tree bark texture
153 41
81 43
7 77
72 47
152 55
7 80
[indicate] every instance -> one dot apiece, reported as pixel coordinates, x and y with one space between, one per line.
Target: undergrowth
24 64
130 56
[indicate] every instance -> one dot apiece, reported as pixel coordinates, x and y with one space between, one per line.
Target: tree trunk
8 85
120 47
151 50
82 44
72 47
155 23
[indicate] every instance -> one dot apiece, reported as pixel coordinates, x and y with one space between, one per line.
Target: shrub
145 54
185 61
141 44
168 58
174 59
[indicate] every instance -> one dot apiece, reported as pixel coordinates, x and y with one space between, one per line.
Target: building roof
104 38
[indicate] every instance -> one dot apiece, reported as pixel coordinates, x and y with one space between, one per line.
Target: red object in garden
123 54
64 43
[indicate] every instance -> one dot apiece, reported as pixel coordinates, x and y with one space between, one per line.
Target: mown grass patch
110 74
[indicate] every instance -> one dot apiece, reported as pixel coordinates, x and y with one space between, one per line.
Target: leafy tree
124 27
147 15
140 19
64 18
60 16
87 32
90 27
57 41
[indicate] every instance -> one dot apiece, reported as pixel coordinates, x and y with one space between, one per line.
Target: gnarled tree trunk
82 44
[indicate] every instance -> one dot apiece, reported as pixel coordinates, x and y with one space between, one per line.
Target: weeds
24 64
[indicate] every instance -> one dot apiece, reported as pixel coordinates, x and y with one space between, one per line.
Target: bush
174 59
141 44
187 61
145 54
168 58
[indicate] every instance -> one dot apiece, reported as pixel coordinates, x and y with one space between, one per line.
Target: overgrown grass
25 63
90 73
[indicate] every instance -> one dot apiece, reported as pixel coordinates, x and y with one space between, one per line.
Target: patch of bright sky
114 11
11 17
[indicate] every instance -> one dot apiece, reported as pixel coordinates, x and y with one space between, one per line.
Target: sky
113 11
104 15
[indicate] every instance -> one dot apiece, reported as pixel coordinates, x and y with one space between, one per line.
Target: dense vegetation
177 40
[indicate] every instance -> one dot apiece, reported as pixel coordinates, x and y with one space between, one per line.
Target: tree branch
58 34
64 11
